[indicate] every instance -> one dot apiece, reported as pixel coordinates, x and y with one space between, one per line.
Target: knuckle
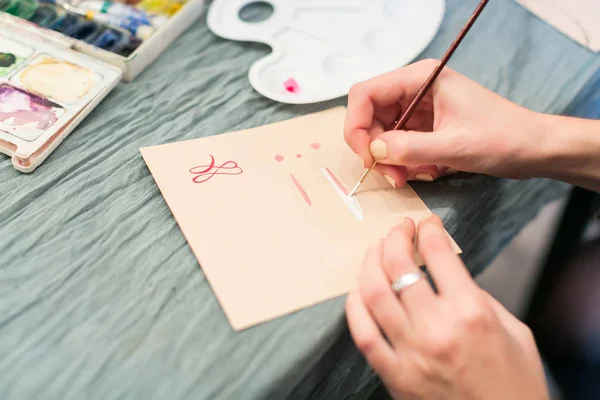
365 343
411 383
356 90
477 314
348 133
374 296
443 345
430 62
526 334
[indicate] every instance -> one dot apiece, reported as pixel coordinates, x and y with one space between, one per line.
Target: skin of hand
459 343
459 126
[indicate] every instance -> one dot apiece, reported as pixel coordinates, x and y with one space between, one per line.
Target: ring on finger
408 279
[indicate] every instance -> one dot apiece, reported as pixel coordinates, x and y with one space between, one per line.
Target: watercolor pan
108 45
12 55
45 91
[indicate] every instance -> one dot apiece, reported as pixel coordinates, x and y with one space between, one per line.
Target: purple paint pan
24 114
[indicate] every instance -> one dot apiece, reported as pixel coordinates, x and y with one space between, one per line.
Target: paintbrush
403 118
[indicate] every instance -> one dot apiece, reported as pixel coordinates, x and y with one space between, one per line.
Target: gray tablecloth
100 296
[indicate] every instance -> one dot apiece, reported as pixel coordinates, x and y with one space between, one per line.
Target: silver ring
407 280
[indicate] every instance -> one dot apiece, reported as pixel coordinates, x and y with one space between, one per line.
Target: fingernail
424 229
451 171
424 176
390 180
431 218
378 149
426 217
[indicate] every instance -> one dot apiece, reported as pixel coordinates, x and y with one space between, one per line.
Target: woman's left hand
457 344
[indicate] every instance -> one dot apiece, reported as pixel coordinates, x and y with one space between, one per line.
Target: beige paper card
578 19
264 212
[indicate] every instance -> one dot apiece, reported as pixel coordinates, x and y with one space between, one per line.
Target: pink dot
315 146
278 158
298 155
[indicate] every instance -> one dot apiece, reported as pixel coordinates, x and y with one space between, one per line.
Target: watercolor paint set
58 62
44 93
127 34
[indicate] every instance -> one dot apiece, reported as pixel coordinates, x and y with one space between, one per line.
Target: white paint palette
322 47
45 92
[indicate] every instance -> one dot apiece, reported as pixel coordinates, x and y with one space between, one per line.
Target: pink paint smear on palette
351 202
18 107
291 86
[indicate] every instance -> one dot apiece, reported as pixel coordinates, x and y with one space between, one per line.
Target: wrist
540 145
569 150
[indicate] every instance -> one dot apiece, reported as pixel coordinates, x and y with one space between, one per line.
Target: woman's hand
459 125
457 344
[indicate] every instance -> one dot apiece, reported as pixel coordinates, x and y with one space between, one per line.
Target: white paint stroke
352 202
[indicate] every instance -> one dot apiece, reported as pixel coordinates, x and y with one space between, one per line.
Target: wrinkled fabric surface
100 296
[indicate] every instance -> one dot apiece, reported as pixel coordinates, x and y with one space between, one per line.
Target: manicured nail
424 176
451 171
378 149
390 180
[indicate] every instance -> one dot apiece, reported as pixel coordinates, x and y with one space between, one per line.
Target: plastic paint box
135 63
50 82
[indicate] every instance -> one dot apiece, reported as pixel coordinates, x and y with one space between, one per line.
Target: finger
400 85
449 273
388 115
379 298
414 148
382 91
423 173
447 171
395 175
368 338
360 117
398 250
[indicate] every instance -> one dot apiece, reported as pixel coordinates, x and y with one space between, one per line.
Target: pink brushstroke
298 155
315 146
278 158
26 108
291 86
337 181
301 190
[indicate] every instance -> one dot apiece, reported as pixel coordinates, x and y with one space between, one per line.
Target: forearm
572 151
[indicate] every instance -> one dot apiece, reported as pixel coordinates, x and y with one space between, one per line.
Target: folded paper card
578 19
265 212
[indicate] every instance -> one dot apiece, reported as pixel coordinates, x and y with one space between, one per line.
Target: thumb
413 148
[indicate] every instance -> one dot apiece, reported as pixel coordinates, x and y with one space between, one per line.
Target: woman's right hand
459 126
